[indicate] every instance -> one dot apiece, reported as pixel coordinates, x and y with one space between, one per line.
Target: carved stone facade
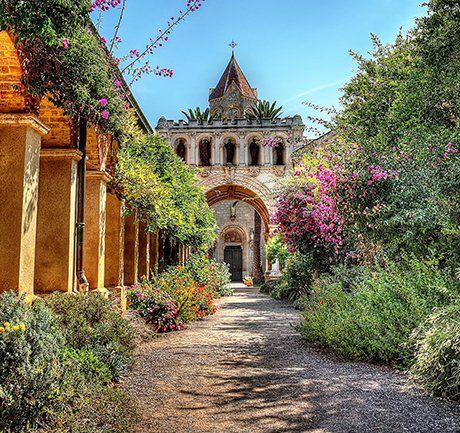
231 160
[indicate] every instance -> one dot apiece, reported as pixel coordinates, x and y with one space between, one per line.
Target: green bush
295 281
214 275
30 373
95 325
373 317
94 409
437 356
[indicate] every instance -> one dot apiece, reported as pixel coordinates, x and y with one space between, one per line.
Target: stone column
114 241
193 151
55 249
268 151
217 155
142 263
95 219
20 141
256 264
243 160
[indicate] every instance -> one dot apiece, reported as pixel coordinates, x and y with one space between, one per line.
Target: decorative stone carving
254 171
206 172
279 171
233 236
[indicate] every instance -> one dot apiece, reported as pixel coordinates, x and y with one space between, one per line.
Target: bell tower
233 95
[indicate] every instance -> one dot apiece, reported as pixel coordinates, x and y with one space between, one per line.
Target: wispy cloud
312 90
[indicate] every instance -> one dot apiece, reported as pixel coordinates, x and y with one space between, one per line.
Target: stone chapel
238 172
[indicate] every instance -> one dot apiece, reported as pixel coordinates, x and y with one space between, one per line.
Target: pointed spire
233 74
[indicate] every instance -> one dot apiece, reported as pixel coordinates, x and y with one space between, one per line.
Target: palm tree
197 114
264 110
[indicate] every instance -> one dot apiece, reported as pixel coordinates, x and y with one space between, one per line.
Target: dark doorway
233 256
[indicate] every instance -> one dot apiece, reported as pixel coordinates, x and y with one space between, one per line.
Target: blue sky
291 50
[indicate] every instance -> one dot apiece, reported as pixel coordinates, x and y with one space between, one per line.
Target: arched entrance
237 192
243 222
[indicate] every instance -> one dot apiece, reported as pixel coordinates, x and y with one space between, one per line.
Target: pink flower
103 102
65 43
105 114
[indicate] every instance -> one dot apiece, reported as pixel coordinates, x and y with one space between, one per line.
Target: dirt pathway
246 370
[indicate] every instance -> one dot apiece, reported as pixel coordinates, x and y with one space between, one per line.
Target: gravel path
247 370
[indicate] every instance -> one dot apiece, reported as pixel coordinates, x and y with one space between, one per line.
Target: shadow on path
247 370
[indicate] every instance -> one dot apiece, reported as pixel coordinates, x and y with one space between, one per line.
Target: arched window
205 152
230 152
181 149
278 153
254 152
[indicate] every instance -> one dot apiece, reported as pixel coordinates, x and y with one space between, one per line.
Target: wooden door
233 256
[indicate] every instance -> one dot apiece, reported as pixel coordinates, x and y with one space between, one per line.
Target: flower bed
180 295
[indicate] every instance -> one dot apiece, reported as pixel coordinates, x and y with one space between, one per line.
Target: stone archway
237 192
249 231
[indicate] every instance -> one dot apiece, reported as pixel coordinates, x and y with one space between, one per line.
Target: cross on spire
232 45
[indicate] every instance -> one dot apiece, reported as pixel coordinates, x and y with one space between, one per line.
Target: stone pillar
267 154
95 219
130 260
217 155
114 241
142 261
55 249
20 141
193 151
256 264
243 160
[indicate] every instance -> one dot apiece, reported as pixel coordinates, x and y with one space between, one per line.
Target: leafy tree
264 110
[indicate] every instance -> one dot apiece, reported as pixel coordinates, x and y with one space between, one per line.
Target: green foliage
30 372
165 191
296 279
212 274
372 315
56 370
264 110
94 325
75 77
437 356
94 409
87 367
401 112
197 114
277 250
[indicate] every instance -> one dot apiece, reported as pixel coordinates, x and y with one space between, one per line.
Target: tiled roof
233 74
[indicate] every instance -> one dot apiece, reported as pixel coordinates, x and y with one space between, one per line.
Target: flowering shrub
180 294
212 274
248 281
156 307
195 300
308 214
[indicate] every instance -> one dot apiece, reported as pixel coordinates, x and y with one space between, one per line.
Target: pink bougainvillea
307 213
